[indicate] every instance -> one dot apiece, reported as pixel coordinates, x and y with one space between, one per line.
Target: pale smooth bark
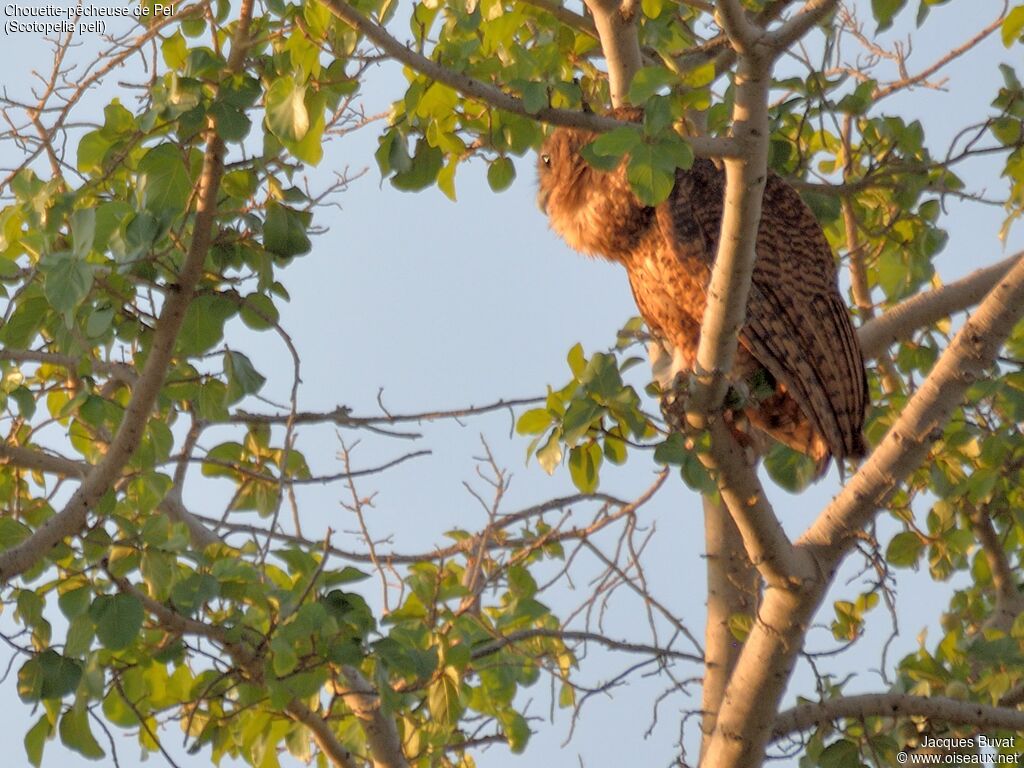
616 27
733 587
900 322
897 705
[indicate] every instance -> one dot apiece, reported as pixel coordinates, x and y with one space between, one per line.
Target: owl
797 349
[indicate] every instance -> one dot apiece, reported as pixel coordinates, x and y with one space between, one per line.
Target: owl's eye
546 159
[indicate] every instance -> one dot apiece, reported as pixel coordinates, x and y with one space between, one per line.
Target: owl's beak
542 200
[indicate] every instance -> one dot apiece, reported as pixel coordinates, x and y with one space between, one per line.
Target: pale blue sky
445 305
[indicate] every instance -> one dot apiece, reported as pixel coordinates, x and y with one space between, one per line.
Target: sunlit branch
489 94
966 359
902 321
118 371
741 31
955 53
1008 600
40 461
896 705
102 477
766 543
381 733
733 589
615 21
813 12
568 17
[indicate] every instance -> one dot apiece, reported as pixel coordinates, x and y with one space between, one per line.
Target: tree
129 247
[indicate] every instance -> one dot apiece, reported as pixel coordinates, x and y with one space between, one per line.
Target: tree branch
733 587
381 733
859 707
246 660
580 636
1008 600
323 735
900 322
118 371
766 543
729 287
743 33
703 146
41 461
570 18
616 28
813 12
965 360
102 477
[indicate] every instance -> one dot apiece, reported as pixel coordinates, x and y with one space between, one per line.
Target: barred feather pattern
797 329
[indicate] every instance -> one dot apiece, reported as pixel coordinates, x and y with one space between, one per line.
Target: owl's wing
797 325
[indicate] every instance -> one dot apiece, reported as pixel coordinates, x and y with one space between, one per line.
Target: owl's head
562 173
594 211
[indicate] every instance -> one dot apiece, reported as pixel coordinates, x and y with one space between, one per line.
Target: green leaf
79 636
157 569
141 231
652 8
76 734
75 602
576 359
792 470
164 181
826 208
616 143
1013 26
24 324
1008 130
12 532
672 450
841 754
284 658
68 282
118 619
287 116
424 166
92 150
204 322
284 232
533 421
36 739
259 312
516 730
174 50
233 124
885 10
649 81
310 148
904 549
443 699
83 231
438 100
579 417
649 177
500 174
550 455
584 466
243 378
48 676
535 97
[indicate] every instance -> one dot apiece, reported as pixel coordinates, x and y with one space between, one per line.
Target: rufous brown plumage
797 338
